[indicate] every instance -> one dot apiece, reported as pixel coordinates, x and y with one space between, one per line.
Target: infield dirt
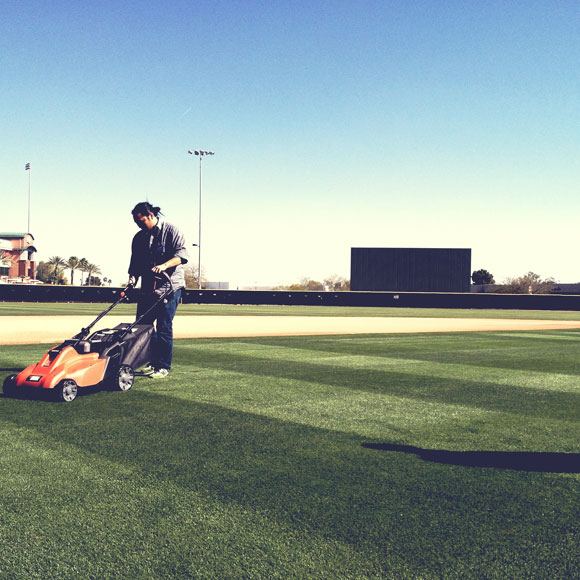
54 329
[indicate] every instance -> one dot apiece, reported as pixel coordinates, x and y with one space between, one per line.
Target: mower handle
85 331
123 292
162 296
159 276
122 297
165 275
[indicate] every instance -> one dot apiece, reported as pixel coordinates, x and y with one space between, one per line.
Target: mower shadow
546 462
47 395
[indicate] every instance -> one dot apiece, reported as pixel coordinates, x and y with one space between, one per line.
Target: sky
335 124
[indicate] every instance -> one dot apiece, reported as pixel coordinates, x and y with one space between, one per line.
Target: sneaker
159 374
148 370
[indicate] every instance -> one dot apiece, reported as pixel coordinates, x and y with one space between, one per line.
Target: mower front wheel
66 391
9 387
123 378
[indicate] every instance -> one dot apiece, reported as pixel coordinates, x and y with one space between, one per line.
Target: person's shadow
540 461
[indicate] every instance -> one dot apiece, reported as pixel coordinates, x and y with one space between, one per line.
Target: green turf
75 308
330 457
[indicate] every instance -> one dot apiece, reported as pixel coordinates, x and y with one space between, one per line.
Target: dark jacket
153 247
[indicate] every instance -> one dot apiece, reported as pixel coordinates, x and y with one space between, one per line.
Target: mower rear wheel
66 391
123 378
9 386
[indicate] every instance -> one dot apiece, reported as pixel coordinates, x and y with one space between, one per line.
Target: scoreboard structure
410 269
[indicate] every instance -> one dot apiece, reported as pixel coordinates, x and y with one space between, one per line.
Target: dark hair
145 208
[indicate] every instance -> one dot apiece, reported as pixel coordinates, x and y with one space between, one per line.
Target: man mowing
158 247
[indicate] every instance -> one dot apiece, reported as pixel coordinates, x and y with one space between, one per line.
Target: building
217 285
17 257
410 269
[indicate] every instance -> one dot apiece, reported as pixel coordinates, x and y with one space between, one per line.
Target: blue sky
335 125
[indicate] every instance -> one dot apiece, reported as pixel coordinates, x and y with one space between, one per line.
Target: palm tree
57 262
91 269
83 263
72 264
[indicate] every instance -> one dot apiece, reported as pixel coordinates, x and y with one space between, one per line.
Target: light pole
27 168
201 154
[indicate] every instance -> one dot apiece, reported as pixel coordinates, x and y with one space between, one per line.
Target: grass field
77 308
329 457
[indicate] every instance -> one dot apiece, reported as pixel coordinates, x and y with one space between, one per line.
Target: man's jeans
162 338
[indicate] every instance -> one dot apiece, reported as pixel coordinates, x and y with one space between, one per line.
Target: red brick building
17 256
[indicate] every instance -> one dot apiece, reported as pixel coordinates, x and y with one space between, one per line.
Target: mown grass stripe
567 383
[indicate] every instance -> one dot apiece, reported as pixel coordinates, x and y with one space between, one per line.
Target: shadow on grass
546 462
48 395
305 479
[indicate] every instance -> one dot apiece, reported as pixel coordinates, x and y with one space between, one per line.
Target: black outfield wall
410 269
22 293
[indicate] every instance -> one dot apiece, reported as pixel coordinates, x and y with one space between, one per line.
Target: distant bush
482 277
530 283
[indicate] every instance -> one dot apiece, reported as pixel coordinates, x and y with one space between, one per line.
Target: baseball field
302 443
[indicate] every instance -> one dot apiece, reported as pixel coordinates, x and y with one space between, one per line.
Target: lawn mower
106 357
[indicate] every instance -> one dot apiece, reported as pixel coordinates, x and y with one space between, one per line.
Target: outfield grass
76 308
331 457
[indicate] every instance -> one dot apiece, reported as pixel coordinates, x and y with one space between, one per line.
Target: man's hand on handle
159 269
169 264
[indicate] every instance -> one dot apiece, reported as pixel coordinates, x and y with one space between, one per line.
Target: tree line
530 283
53 271
333 283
